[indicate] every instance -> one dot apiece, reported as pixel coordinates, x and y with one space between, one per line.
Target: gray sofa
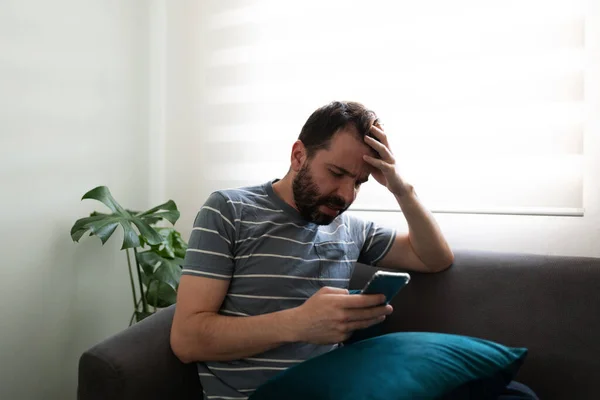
548 304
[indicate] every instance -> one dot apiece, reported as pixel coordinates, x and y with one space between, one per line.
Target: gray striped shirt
274 260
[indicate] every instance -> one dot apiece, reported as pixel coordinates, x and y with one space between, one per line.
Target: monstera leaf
161 276
172 246
159 268
104 225
161 295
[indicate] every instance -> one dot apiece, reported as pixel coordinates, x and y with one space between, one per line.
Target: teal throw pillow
402 365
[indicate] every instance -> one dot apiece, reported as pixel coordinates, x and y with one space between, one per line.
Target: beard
308 199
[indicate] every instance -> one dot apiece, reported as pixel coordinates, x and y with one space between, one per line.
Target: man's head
327 160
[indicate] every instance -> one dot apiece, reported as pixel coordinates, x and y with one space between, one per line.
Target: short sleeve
210 248
374 241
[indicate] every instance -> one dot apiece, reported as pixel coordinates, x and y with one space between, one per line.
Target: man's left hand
384 167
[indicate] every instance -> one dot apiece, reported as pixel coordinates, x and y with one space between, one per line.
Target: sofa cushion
404 365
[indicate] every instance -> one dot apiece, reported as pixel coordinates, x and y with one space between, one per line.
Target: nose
348 193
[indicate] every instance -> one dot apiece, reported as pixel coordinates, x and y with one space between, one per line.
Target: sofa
549 304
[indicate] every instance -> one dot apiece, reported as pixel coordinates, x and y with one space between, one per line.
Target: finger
378 132
333 290
356 325
379 164
361 314
361 300
382 149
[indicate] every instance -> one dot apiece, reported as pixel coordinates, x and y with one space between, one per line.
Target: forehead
346 150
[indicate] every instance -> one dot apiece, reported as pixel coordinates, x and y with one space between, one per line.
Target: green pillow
402 365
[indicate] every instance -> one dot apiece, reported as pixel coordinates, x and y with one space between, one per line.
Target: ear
299 155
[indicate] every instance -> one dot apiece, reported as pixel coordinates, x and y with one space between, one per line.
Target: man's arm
199 333
424 248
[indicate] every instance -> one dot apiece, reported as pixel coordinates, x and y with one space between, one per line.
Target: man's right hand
331 315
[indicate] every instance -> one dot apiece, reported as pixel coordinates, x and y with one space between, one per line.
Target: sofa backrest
549 304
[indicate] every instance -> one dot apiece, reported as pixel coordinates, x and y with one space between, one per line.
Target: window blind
482 101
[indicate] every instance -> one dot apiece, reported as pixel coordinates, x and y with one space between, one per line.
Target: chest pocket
337 258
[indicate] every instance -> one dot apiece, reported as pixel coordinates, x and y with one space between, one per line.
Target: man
265 279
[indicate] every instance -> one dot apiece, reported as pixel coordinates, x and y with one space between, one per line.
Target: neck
283 189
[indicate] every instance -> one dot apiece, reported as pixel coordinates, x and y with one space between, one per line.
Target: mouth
330 210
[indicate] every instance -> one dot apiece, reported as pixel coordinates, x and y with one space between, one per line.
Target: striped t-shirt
274 260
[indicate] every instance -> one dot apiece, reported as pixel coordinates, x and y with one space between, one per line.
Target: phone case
387 283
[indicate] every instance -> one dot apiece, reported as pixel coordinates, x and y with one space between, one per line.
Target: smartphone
387 283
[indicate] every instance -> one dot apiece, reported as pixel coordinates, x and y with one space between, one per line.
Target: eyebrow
346 172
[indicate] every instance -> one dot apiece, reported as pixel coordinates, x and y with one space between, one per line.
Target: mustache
333 202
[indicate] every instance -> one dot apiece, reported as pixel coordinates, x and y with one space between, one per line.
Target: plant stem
144 303
156 298
135 303
134 312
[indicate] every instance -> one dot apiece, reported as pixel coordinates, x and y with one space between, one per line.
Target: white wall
73 115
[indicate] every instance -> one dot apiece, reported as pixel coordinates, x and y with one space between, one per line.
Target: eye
336 174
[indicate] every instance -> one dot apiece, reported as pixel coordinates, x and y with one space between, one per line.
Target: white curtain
482 100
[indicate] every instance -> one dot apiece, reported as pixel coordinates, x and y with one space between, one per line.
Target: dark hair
324 122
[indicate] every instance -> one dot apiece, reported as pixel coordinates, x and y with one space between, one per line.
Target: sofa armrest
138 363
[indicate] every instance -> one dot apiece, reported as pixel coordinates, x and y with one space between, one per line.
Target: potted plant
158 251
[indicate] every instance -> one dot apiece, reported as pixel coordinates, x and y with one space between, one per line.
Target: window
483 101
